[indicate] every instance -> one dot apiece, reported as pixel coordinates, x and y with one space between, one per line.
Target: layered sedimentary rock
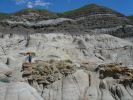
75 58
85 20
66 67
46 72
107 82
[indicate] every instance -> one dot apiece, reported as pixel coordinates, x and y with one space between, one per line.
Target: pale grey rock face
18 91
87 86
129 39
39 23
84 84
59 46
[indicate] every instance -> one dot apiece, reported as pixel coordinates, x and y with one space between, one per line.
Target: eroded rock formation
47 72
66 67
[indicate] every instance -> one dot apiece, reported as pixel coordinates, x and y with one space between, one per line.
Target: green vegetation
130 18
89 9
42 12
26 11
83 11
4 16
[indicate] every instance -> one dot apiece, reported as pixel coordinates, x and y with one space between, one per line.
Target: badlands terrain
84 54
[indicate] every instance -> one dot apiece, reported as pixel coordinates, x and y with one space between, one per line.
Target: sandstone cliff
66 67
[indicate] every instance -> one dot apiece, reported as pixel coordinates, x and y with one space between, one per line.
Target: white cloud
41 3
33 3
19 2
30 4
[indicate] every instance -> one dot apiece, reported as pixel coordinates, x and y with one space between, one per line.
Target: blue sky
9 6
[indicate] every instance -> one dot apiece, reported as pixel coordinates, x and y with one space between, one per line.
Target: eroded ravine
66 67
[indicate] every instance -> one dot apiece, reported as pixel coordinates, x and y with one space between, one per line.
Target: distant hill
35 14
37 11
89 19
94 16
130 18
90 9
4 16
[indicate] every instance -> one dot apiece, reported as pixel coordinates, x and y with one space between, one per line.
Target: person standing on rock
30 58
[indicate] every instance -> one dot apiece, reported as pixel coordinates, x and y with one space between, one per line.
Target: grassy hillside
42 12
130 18
4 16
90 9
83 11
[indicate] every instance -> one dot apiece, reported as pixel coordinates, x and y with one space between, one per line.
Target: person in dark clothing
30 58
